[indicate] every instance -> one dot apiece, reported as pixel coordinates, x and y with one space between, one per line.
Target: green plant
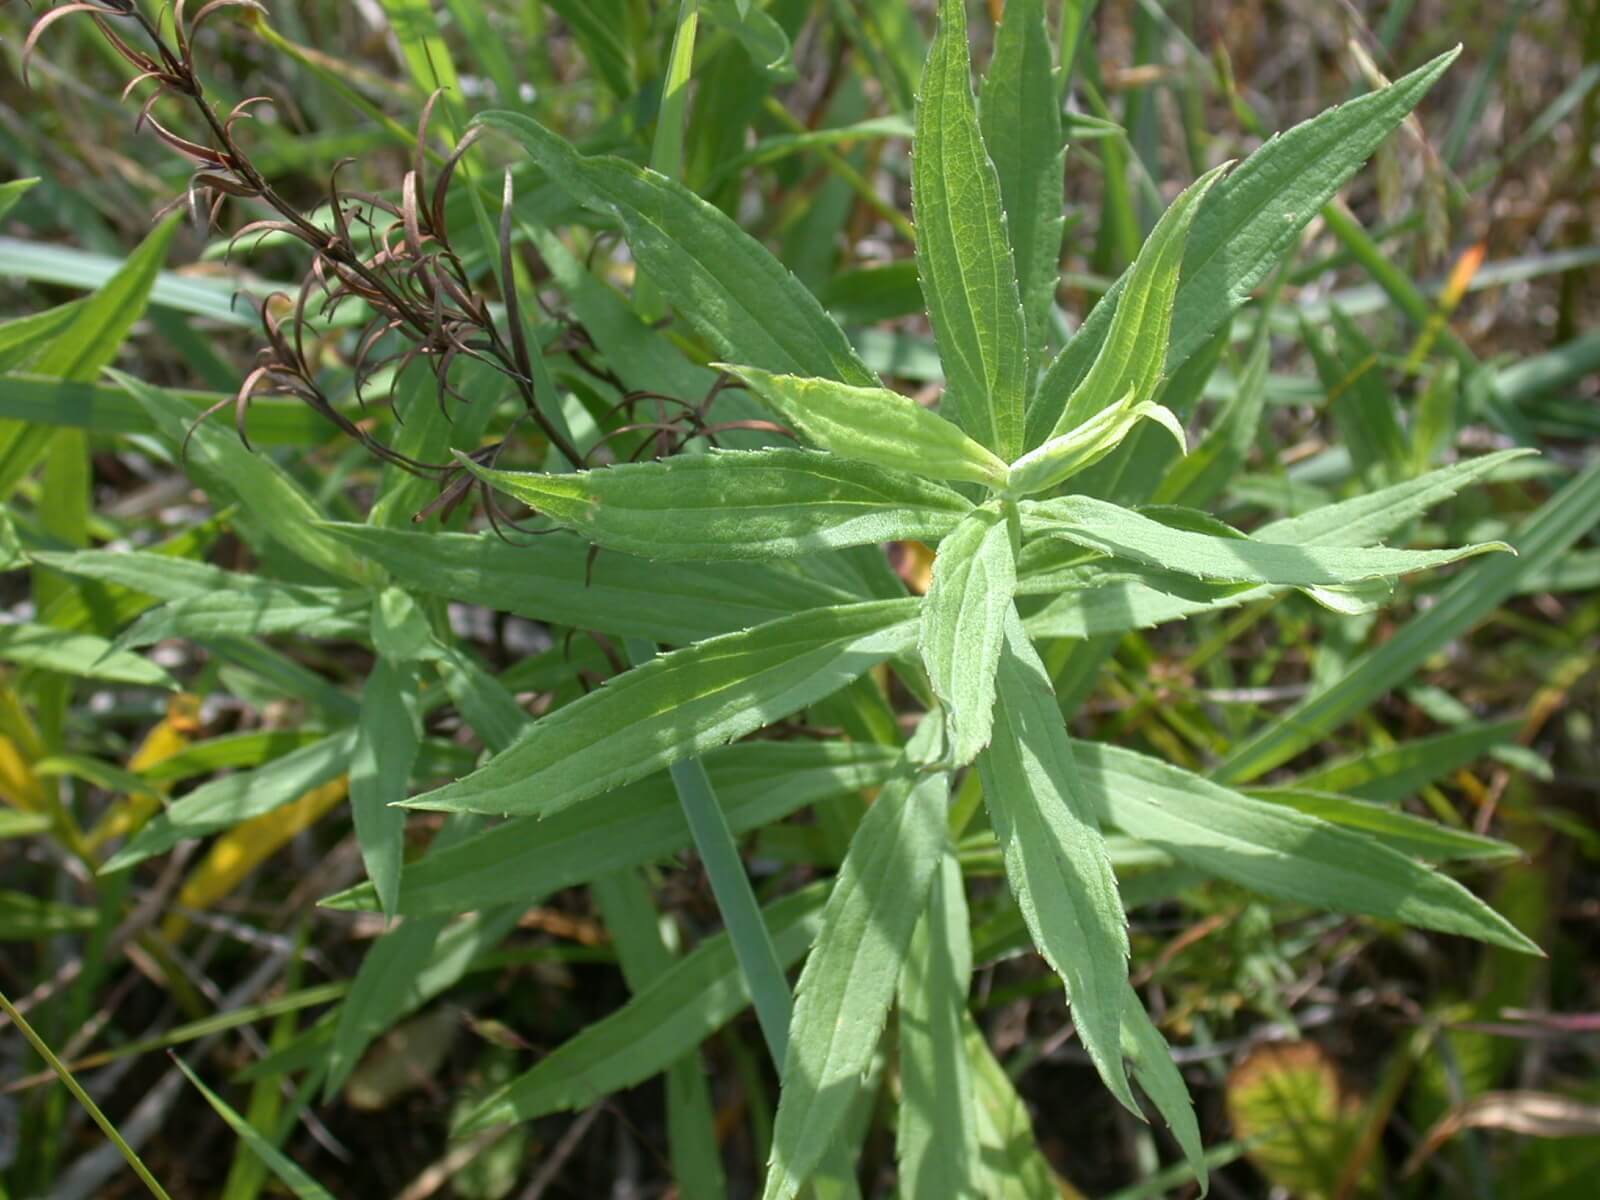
1060 520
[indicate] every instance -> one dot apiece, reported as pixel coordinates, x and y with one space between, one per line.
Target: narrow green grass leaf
1391 775
88 343
1465 601
757 783
1278 851
738 504
1020 111
13 191
24 338
557 579
936 1137
278 507
1249 221
741 300
848 982
600 28
963 625
1121 532
1055 856
660 1023
24 918
877 426
82 654
107 409
282 1167
1133 356
387 739
963 254
679 706
232 799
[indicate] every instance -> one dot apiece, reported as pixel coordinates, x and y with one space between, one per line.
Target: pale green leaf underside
1055 857
963 253
1279 851
738 504
681 705
1123 533
963 626
875 425
936 1136
848 983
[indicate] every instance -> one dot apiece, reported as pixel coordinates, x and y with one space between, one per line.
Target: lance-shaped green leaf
83 654
849 979
253 608
681 705
875 425
1011 1167
1134 353
1147 1053
1086 521
1105 599
963 254
1279 851
557 579
1055 857
963 625
740 299
936 1137
1249 221
659 1024
738 504
1078 449
1021 115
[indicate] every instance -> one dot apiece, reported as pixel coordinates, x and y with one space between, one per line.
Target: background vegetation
1443 307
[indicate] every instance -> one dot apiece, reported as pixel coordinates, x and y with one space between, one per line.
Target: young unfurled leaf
738 504
963 252
680 705
1056 862
849 979
963 624
1123 533
1134 354
877 426
1078 449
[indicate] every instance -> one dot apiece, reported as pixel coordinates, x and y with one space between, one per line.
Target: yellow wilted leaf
171 734
245 847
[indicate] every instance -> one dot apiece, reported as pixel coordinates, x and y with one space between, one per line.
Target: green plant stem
736 900
73 1086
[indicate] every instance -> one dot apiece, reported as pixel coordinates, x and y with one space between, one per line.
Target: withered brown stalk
402 264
